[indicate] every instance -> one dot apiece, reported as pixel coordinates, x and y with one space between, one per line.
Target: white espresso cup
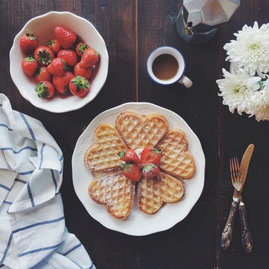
157 57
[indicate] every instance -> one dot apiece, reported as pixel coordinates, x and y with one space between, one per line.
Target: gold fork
236 175
236 179
226 236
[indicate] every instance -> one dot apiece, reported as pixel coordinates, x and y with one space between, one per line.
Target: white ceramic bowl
43 27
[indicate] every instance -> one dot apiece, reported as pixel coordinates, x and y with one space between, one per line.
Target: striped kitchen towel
32 224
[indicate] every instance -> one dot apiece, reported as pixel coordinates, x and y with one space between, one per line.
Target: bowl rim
78 105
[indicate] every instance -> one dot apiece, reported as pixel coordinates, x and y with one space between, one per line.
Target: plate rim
166 225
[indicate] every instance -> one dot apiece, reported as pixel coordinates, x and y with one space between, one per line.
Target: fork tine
237 168
232 169
235 173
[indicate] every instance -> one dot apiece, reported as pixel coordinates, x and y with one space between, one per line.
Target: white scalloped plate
138 223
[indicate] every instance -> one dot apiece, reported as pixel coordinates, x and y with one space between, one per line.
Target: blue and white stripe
4 187
4 125
32 224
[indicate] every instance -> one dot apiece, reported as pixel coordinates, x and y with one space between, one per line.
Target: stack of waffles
137 132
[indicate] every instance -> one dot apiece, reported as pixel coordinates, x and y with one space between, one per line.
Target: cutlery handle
247 240
226 236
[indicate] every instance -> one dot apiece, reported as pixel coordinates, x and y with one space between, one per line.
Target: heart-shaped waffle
176 160
103 155
149 198
116 192
151 193
139 131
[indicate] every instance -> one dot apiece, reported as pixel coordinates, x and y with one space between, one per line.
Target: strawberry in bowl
29 66
43 55
56 36
28 43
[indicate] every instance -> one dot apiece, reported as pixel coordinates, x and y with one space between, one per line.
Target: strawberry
65 36
29 66
89 58
42 74
69 56
80 48
79 86
28 43
78 71
131 171
150 155
151 171
129 155
44 55
57 67
54 44
45 89
61 83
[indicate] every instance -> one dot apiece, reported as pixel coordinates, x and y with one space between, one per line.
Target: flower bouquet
246 86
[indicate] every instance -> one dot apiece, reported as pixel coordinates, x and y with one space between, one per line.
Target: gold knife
226 236
247 241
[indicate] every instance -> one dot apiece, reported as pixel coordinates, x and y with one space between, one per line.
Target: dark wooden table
131 30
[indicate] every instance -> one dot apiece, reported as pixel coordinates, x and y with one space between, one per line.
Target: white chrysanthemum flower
250 50
237 89
260 103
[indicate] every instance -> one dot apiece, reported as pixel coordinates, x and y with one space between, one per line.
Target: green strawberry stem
30 36
121 154
38 71
123 165
148 167
44 57
80 83
29 59
50 43
42 90
82 48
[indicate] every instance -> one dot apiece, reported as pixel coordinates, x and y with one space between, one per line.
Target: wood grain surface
131 30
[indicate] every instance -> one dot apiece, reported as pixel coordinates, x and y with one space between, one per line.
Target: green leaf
261 85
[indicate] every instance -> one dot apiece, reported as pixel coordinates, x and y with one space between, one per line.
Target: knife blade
244 169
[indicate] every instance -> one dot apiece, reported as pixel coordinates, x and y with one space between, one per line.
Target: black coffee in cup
165 66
